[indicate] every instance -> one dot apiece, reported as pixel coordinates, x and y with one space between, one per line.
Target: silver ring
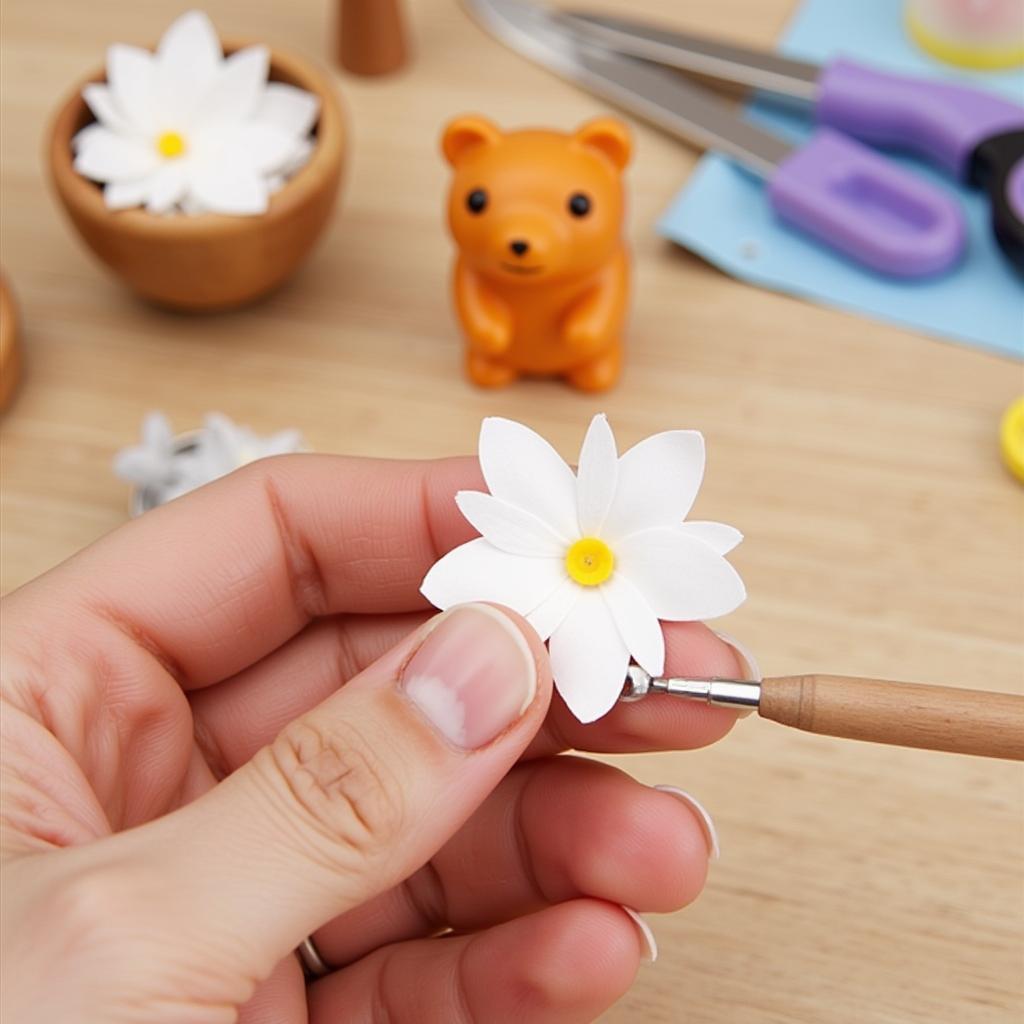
313 964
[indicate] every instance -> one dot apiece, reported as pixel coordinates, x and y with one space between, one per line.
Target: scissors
833 187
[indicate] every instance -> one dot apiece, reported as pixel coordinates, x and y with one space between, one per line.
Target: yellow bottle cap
991 56
1011 434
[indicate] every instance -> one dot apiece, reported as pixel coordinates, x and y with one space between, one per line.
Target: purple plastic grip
863 205
940 121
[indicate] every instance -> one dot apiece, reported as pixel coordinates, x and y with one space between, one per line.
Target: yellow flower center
170 145
589 561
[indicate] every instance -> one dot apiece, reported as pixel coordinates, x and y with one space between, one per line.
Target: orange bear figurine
542 276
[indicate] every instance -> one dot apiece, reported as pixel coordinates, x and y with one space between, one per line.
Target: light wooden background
857 884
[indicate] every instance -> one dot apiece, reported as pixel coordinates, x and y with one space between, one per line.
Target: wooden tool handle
371 36
904 714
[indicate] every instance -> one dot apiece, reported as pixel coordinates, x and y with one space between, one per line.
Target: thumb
355 795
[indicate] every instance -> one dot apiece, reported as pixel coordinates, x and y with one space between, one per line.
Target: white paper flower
225 446
594 559
166 469
152 463
186 128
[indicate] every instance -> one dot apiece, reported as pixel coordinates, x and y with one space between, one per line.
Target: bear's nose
519 247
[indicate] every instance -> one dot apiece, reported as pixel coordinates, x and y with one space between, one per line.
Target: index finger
221 577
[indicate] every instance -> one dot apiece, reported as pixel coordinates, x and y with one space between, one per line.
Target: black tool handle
997 166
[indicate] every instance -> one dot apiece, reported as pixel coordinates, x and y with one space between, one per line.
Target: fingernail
650 954
705 819
473 676
748 663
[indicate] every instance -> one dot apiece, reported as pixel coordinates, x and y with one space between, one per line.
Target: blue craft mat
723 214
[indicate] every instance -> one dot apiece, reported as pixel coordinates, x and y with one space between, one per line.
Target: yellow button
1012 438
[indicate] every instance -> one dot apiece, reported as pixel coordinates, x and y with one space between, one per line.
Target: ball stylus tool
902 714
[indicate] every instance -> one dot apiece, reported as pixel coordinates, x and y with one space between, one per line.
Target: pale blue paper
723 214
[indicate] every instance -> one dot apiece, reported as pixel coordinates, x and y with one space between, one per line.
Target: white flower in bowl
186 128
593 559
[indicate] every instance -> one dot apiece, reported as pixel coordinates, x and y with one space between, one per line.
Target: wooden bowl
10 348
209 261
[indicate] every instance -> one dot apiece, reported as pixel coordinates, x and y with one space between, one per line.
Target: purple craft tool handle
940 121
863 205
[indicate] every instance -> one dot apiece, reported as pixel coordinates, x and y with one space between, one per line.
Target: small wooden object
371 36
10 348
903 714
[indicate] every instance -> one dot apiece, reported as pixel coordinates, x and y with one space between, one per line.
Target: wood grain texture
948 718
859 884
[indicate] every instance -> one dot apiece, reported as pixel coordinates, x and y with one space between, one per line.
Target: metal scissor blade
769 72
654 93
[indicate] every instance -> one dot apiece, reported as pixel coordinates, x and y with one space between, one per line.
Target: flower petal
551 612
228 188
521 468
290 109
142 467
596 476
104 156
682 578
187 62
100 100
224 432
301 153
284 442
508 527
658 481
167 187
131 72
589 657
81 138
191 205
478 571
637 624
237 90
123 195
719 536
156 432
261 146
220 445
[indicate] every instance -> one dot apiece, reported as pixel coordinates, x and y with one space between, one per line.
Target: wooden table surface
857 884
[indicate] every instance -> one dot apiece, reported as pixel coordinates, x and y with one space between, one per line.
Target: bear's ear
466 133
609 136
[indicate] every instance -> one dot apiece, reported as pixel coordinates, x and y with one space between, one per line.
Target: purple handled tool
833 188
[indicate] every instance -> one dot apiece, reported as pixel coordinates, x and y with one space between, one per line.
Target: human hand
212 747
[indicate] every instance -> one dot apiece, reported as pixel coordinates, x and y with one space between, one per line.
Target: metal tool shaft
657 94
730 693
726 62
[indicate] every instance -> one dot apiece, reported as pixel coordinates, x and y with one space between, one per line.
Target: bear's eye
579 204
476 201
